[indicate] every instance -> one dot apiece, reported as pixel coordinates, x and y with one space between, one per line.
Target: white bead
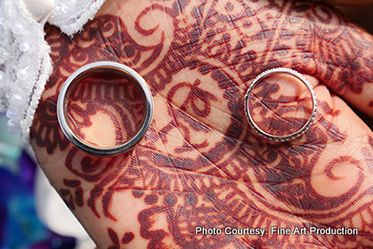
22 74
22 123
17 99
61 10
39 9
12 113
24 46
18 28
2 23
65 9
12 126
4 55
2 79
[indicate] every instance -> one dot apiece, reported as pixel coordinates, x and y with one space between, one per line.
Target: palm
200 164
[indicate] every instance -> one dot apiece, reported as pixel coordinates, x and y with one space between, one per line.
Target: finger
340 55
344 169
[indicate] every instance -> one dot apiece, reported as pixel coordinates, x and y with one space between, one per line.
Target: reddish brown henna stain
224 182
70 196
110 95
281 115
151 199
114 239
127 238
368 156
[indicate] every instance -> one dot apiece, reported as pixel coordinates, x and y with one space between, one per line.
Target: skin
200 163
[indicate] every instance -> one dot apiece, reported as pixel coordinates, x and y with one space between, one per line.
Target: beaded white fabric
71 15
25 64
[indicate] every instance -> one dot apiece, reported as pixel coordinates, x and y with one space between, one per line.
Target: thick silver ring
304 128
105 67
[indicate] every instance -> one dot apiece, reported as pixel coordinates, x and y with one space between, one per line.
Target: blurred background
32 215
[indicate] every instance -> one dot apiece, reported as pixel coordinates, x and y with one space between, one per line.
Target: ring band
105 67
304 128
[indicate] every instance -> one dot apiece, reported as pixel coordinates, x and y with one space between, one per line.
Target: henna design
127 238
116 98
114 238
368 155
47 133
282 114
200 164
72 198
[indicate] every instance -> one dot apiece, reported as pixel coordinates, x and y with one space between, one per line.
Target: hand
200 164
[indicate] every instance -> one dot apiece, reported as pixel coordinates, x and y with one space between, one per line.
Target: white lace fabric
25 63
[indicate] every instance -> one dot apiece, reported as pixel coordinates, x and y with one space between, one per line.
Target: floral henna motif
127 238
72 197
200 164
46 132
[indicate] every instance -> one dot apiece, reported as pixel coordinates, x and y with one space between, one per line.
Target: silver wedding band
105 67
299 132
